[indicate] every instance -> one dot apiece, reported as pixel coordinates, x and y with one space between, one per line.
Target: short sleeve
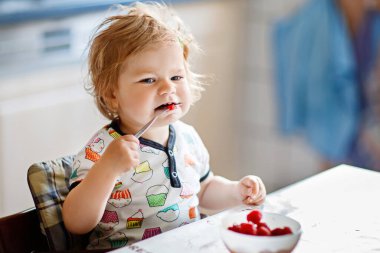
89 155
203 165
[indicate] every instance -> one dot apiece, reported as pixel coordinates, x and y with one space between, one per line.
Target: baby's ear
112 102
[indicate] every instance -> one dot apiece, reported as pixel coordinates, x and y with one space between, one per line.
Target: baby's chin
174 114
170 119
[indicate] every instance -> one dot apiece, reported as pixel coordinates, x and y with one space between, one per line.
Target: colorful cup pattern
150 232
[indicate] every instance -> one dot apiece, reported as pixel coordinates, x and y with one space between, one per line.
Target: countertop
338 210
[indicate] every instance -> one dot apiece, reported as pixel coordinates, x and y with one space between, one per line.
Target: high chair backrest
20 233
49 184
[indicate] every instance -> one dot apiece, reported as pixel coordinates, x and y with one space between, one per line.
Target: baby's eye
176 78
148 80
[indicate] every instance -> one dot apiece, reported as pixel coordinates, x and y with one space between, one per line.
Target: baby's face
149 81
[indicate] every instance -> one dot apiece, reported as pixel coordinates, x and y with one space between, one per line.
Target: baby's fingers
250 185
130 138
253 190
130 142
247 191
254 200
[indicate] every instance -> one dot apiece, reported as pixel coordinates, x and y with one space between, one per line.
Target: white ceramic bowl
241 243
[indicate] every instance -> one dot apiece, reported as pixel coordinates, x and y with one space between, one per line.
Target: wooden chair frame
21 233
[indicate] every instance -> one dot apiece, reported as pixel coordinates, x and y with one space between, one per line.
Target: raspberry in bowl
253 231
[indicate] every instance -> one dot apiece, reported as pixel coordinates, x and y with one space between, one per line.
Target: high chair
49 185
21 233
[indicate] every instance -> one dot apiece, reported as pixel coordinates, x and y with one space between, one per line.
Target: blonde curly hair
135 28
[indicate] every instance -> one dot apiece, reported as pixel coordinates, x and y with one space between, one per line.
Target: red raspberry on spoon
171 107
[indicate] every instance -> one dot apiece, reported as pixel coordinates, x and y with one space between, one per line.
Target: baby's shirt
156 196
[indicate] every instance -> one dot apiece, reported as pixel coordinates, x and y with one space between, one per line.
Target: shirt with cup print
156 196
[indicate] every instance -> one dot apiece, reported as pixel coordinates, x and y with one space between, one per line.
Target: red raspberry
171 107
263 231
288 230
254 216
235 228
277 231
281 231
263 224
248 228
255 227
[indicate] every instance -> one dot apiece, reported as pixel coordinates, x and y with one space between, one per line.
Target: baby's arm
220 193
85 204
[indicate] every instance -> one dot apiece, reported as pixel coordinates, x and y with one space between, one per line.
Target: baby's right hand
122 154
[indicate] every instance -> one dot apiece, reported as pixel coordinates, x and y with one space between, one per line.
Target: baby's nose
167 87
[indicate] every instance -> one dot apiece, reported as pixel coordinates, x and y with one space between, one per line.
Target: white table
339 211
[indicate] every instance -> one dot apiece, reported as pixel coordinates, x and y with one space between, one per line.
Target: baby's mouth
167 106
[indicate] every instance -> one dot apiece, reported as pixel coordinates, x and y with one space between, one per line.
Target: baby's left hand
252 190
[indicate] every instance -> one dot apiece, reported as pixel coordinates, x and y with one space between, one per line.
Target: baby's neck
158 134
